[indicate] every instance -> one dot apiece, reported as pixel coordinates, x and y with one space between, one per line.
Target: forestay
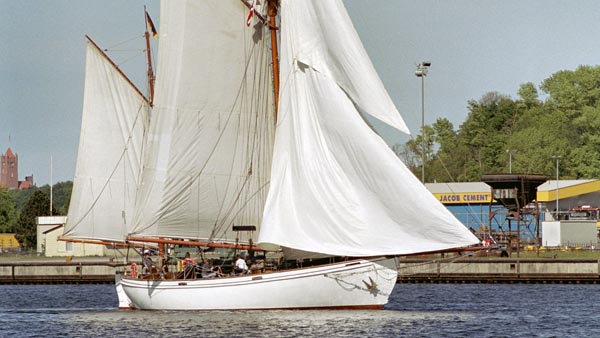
211 135
114 118
336 187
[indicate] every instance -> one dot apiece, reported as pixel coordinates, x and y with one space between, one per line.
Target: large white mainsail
114 120
211 134
336 187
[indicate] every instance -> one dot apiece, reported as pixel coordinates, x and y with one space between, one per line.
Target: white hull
357 284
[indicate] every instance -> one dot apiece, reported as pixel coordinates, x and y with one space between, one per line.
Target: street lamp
422 70
556 158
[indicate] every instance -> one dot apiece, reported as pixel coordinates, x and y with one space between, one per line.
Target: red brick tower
9 173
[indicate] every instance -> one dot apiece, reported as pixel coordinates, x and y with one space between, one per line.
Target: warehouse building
574 203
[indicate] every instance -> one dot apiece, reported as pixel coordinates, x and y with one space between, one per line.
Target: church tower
9 172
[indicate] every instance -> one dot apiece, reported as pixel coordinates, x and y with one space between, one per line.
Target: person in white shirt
240 267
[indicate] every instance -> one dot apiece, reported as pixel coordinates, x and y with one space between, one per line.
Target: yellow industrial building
8 242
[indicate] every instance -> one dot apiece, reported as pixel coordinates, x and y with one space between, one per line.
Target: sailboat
279 145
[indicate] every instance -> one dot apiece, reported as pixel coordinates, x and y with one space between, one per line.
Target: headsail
320 34
211 135
336 187
114 120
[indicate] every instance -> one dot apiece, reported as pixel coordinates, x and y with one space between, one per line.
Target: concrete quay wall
501 270
44 272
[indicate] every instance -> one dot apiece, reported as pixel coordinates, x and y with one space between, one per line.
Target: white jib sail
212 129
336 187
114 118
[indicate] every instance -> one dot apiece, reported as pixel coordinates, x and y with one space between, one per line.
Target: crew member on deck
240 268
147 262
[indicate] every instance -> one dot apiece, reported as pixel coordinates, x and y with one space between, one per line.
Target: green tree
528 95
61 195
570 91
38 205
20 197
443 167
490 123
418 149
586 156
8 215
565 123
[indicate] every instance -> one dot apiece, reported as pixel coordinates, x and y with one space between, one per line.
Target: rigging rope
112 49
248 189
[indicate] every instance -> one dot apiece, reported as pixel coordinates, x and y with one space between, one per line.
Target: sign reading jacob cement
464 198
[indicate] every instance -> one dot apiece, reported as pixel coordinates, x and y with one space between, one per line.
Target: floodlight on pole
422 70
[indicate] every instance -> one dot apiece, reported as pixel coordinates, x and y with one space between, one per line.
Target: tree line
559 119
19 209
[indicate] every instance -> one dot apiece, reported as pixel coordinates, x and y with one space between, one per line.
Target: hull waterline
357 284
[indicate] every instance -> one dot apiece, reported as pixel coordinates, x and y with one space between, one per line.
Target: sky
474 47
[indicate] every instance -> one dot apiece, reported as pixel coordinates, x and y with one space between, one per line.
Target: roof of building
551 185
9 153
25 185
51 220
457 187
52 229
545 192
566 188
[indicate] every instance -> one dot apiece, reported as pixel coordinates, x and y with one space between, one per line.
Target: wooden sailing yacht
233 142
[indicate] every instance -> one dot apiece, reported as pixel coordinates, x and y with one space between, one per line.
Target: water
415 310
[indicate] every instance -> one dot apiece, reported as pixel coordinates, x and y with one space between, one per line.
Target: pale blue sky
474 46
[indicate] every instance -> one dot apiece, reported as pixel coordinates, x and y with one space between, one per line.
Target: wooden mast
272 23
149 55
274 52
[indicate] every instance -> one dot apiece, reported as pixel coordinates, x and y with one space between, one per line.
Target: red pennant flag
151 27
250 15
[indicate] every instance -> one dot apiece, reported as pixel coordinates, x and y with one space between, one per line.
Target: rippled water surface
415 310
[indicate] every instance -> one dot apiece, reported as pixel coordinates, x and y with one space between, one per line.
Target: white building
50 228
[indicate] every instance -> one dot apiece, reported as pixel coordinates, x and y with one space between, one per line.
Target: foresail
336 187
325 39
211 135
115 116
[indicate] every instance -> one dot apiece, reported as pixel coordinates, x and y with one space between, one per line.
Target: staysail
114 120
336 187
211 135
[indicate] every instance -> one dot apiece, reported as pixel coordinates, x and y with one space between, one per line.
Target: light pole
422 70
510 152
556 158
